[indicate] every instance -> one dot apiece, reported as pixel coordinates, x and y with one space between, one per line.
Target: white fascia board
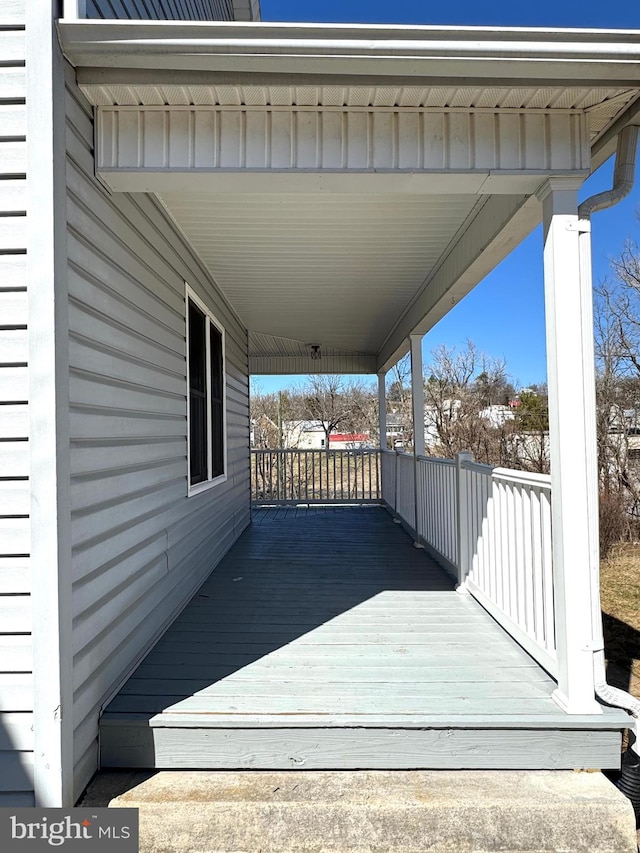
515 56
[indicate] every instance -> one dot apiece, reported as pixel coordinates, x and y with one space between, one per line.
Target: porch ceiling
337 270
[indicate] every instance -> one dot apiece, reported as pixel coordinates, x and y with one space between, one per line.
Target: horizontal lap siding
140 546
16 661
181 10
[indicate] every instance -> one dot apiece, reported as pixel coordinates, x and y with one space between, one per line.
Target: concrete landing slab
372 811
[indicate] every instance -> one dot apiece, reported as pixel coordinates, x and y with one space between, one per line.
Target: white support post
417 395
462 507
571 377
382 409
417 398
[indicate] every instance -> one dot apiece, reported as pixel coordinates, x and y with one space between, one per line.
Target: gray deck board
322 620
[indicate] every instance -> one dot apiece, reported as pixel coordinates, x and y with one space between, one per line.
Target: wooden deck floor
324 640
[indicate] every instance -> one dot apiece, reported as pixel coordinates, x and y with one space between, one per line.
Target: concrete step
372 811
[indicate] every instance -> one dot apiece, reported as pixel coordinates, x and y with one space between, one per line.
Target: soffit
601 105
337 270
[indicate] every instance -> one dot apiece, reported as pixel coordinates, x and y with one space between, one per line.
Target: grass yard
620 581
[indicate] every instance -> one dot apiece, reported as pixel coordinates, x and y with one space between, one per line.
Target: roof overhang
472 54
264 116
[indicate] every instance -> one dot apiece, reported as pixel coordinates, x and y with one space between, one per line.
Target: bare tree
526 437
617 349
399 400
338 402
460 384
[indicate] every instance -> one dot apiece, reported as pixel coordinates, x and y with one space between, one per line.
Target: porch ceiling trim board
480 143
300 365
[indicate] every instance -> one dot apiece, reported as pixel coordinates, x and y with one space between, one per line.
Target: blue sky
504 314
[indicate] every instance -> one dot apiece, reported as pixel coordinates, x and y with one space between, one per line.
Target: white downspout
623 178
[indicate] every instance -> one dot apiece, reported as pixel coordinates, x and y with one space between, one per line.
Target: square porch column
417 395
572 431
382 409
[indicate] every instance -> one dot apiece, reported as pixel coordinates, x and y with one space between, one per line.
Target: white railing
508 553
436 507
388 475
490 526
406 489
315 476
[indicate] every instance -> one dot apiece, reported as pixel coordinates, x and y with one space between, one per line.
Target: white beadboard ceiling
337 270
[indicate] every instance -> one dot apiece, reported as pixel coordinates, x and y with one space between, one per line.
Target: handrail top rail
531 478
511 475
479 467
436 460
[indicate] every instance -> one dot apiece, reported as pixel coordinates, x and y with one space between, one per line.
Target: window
206 396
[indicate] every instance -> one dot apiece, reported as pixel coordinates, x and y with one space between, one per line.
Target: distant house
497 415
398 430
304 435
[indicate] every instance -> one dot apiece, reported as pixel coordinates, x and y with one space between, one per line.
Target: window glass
217 402
206 384
197 396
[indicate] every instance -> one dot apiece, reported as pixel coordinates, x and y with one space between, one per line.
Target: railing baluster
335 490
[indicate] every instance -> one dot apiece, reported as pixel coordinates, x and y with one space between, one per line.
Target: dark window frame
206 396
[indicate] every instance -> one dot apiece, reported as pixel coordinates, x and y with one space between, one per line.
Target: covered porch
344 188
326 640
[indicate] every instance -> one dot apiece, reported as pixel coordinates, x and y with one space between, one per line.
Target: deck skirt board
325 639
346 748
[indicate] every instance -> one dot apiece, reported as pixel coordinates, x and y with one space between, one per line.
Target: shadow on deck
324 639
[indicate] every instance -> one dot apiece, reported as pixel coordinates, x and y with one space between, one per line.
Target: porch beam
571 378
285 365
485 145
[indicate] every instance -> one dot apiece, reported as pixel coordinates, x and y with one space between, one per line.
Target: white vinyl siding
141 547
16 682
180 10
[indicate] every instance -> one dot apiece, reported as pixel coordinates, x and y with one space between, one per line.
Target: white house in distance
180 203
304 435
